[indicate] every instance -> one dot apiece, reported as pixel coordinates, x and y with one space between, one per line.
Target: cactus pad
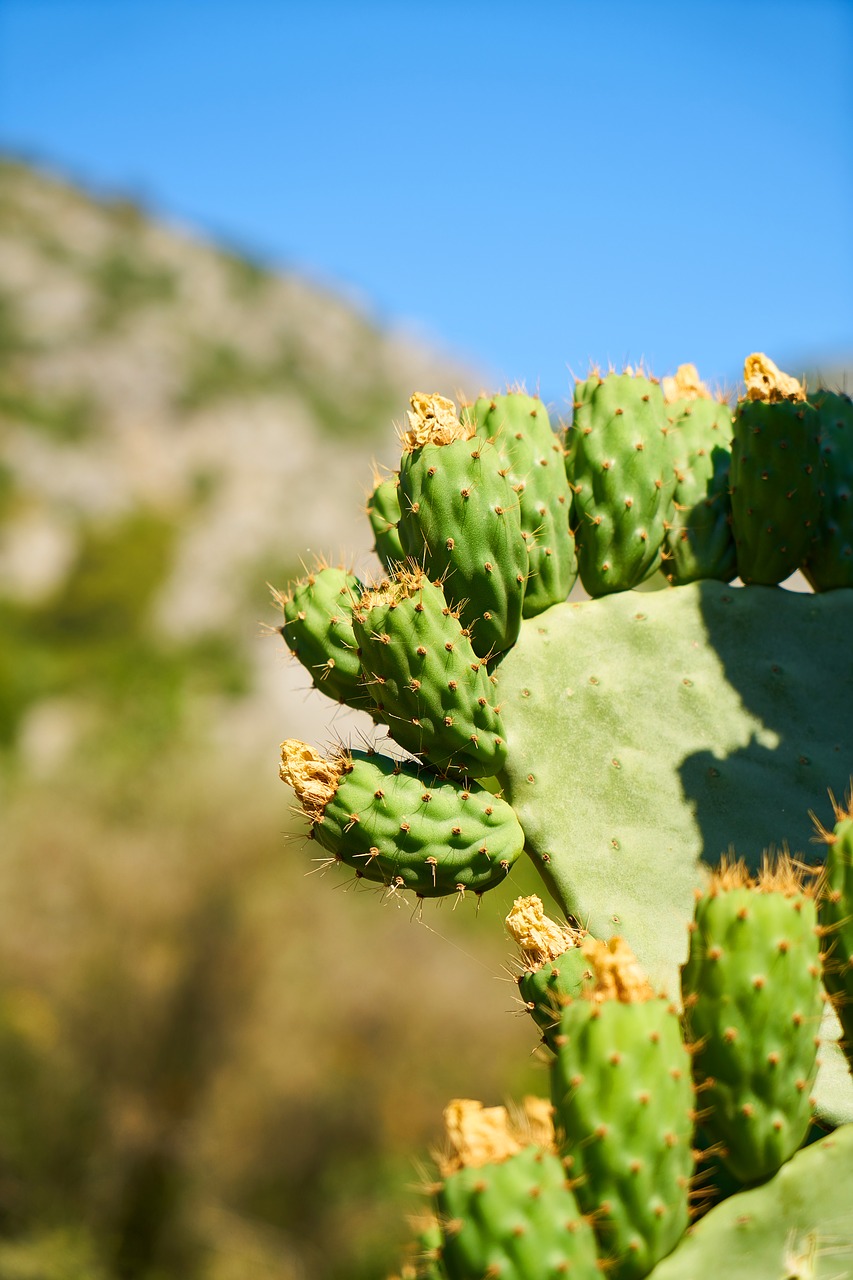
673 721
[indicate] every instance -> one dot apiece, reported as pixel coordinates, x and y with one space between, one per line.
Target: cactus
637 746
699 542
318 631
752 998
533 456
401 828
829 562
775 474
460 520
383 512
622 477
505 1203
836 918
423 674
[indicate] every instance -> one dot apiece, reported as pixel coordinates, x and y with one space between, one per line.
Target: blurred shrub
205 1057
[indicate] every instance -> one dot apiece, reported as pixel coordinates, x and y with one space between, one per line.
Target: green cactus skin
547 989
829 564
753 1004
836 917
533 454
430 687
776 483
397 826
645 730
516 1219
318 631
797 1226
623 480
623 1098
699 540
383 512
460 521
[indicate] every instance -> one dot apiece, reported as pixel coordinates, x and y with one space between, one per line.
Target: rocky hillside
178 424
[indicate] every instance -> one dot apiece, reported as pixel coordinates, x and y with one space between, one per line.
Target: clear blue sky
531 185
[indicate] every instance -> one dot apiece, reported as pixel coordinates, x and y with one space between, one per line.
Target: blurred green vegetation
123 282
91 638
220 371
207 1057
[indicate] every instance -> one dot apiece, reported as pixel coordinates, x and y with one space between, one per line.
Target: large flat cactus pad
650 733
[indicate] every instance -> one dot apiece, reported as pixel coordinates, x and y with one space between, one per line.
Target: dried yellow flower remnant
536 1121
407 581
313 778
617 972
686 385
539 938
476 1135
433 420
765 381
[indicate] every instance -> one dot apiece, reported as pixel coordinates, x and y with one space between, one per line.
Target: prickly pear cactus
637 745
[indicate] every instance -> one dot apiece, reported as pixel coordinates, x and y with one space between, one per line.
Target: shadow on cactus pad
646 730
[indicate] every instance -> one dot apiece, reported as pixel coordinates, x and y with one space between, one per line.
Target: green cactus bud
623 480
835 911
460 520
399 827
383 512
318 631
753 1004
699 541
829 563
555 967
623 1099
506 1207
797 1226
775 475
533 456
432 690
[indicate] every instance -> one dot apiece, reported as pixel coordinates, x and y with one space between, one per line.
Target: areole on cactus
628 743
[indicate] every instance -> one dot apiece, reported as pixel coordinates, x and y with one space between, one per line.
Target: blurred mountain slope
178 426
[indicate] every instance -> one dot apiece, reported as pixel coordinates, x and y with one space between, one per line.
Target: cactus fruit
554 965
318 631
775 474
699 540
533 455
400 827
506 1207
623 480
383 512
829 564
623 1106
460 520
753 1004
836 919
429 685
